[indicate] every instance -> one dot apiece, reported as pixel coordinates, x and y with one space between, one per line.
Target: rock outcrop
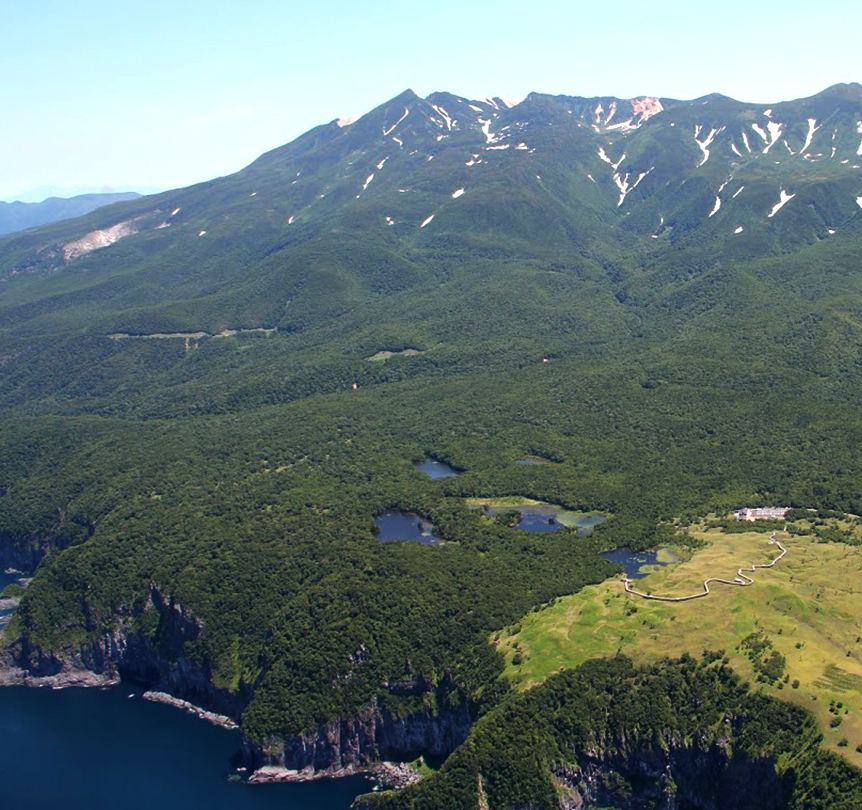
671 777
155 661
355 744
343 746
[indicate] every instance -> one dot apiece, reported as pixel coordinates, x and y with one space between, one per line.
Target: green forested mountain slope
661 296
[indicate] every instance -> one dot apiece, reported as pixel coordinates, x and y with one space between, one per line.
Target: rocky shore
211 717
388 775
11 675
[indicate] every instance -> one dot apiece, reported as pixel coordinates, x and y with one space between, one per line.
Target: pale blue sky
163 94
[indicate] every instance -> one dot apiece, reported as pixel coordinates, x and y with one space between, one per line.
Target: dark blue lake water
551 519
99 750
536 521
436 469
393 524
633 561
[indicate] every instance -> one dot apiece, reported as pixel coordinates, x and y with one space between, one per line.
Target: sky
154 95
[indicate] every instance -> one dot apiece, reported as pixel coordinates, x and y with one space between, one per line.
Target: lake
395 524
100 750
537 516
638 564
434 468
552 518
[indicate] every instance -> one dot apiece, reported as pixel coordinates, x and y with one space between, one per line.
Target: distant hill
18 216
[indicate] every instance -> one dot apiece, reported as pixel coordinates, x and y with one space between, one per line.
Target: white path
741 579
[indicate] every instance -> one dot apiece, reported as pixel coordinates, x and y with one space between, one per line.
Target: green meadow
805 608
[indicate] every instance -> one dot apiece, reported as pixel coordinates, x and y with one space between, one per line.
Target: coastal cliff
156 660
355 744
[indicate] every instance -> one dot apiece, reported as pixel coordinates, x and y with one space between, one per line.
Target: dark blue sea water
436 469
633 561
90 749
393 524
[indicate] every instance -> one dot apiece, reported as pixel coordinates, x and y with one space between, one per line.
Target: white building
762 513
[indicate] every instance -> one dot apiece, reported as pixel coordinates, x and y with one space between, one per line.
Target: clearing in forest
797 631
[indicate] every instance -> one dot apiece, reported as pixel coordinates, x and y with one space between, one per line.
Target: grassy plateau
806 607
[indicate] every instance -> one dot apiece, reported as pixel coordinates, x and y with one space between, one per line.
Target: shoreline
388 775
221 720
13 676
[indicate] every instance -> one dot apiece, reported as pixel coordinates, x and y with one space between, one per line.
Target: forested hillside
661 299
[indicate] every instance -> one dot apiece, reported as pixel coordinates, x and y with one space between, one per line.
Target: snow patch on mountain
715 208
427 221
486 131
705 143
784 198
622 182
387 131
444 115
770 137
457 193
603 155
812 128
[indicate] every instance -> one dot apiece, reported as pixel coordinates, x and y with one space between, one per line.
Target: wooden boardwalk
741 579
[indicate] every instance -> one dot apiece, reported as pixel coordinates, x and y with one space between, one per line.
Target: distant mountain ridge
18 216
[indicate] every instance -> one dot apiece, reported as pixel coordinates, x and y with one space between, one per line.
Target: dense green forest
194 441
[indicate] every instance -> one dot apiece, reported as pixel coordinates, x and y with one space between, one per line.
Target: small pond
395 524
434 468
534 460
639 564
537 516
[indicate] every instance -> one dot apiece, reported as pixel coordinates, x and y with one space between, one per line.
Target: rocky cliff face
23 554
680 776
344 745
349 745
154 660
